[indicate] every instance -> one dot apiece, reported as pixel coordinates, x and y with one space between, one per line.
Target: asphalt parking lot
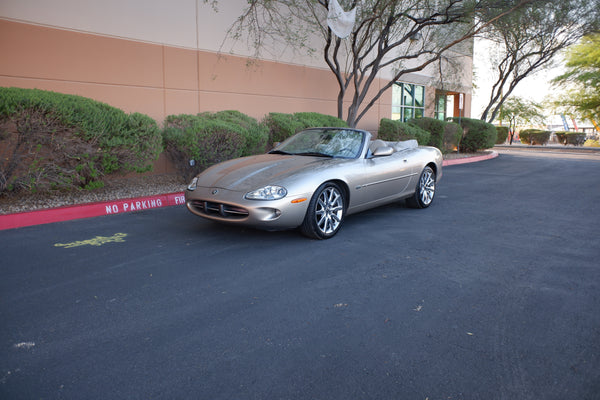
491 293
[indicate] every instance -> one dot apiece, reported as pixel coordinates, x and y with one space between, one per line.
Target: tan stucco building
165 57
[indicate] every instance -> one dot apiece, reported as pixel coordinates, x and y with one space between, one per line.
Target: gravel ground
120 188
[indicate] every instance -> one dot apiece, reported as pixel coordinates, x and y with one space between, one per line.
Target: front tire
425 190
325 212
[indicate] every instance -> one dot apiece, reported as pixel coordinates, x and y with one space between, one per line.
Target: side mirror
382 151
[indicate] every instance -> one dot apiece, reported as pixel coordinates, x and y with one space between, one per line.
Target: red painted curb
467 160
19 220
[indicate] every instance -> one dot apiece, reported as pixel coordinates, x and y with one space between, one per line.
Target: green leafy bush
56 141
561 137
534 136
477 134
255 135
434 126
193 143
502 132
574 138
452 135
444 135
316 120
281 126
395 130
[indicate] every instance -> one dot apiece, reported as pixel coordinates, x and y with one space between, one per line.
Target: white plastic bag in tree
339 21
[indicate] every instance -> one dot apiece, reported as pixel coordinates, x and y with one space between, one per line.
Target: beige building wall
160 58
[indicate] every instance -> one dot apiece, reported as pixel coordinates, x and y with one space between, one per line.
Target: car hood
250 173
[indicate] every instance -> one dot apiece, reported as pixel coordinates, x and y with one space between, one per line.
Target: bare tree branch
383 37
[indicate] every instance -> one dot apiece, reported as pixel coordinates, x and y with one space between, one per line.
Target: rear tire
325 212
425 190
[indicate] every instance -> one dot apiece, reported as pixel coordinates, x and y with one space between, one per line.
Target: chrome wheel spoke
329 210
321 218
427 188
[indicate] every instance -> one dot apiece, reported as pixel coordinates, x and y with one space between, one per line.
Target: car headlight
270 192
194 184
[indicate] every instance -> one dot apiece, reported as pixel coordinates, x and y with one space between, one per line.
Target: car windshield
338 143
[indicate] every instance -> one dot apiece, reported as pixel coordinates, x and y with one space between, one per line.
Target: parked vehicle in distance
314 179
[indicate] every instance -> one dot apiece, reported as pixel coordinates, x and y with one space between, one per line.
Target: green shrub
502 132
561 137
194 143
316 120
395 130
534 136
452 135
477 134
574 138
56 141
255 135
434 126
281 126
444 135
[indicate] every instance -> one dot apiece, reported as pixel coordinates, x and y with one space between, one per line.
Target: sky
535 87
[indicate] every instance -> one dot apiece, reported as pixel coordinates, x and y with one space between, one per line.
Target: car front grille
219 209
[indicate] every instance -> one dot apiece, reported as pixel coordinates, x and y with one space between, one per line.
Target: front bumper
231 207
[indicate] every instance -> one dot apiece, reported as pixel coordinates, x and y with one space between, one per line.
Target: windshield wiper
314 154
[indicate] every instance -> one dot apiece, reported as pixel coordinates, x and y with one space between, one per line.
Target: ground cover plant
55 141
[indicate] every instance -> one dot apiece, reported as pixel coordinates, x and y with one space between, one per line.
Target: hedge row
444 135
477 134
282 126
426 131
534 136
574 138
502 132
194 142
396 130
470 134
56 141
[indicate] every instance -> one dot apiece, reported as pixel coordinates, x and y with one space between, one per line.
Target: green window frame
408 101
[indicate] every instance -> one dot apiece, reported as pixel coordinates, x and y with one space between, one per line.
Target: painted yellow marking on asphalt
97 241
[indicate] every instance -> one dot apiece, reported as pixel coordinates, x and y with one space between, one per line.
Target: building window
408 101
440 107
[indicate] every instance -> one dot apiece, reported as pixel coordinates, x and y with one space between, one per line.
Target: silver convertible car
314 179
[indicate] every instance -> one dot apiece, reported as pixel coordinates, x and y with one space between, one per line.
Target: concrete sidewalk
548 147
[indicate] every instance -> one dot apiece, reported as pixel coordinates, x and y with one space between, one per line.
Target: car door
384 178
